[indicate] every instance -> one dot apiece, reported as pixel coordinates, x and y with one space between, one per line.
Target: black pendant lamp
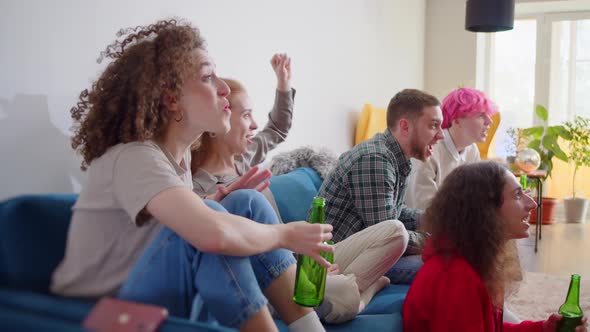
489 15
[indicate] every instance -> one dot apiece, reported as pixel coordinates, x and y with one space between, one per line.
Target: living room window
570 70
544 60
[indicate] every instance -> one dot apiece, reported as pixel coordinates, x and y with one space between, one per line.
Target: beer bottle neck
317 215
573 294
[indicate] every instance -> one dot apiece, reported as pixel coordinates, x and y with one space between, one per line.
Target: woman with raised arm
220 163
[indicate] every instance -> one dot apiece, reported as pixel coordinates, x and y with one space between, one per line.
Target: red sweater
449 295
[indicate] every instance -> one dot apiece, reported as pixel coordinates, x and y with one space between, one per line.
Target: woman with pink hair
466 119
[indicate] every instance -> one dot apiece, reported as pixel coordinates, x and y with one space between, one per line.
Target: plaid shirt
368 186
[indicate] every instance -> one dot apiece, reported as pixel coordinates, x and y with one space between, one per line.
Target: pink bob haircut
465 102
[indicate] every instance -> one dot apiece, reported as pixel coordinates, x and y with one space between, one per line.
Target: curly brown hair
463 216
125 103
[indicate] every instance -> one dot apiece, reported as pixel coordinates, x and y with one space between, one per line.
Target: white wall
455 56
345 53
450 50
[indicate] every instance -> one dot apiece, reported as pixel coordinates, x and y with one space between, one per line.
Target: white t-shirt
427 177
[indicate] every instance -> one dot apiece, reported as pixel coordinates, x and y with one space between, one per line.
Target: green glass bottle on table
310 281
571 310
523 181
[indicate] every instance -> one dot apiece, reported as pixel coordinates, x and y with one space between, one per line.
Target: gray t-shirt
110 226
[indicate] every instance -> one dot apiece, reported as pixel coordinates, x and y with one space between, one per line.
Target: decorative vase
528 160
575 210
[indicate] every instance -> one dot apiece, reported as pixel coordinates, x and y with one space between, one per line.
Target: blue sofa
33 230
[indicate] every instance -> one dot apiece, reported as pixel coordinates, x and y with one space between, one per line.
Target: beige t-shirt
110 227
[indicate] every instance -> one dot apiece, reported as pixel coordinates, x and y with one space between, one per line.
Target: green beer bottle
523 181
310 280
570 310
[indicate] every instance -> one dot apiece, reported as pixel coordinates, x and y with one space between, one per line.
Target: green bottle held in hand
571 310
310 281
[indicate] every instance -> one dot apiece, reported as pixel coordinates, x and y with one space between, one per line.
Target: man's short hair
409 104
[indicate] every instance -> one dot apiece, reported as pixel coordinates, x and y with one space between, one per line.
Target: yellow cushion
484 147
371 121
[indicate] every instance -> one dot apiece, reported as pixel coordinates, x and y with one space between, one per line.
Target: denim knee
405 270
213 205
245 194
253 205
270 265
251 196
250 204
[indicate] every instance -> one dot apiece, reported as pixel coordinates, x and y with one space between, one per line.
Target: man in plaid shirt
368 184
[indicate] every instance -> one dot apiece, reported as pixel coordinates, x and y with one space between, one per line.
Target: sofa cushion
49 311
33 231
383 323
41 304
17 320
294 192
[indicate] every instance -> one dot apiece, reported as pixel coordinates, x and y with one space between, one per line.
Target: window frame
543 65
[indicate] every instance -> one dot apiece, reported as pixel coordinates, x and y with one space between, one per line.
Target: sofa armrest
294 192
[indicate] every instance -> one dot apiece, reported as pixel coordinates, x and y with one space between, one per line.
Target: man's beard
418 151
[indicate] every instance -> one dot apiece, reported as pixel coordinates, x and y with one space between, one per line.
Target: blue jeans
171 272
404 271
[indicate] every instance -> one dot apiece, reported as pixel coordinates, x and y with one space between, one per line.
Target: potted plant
544 139
579 154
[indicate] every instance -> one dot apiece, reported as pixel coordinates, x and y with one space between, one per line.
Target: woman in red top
466 270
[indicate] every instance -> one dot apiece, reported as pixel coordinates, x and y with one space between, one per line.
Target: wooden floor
564 249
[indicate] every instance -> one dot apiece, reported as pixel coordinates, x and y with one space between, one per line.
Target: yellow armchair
484 147
371 121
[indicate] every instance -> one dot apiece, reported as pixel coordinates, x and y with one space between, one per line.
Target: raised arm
279 118
281 64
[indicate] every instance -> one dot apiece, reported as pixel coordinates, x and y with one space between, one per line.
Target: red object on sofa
113 315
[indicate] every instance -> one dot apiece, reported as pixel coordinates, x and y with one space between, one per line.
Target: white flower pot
575 209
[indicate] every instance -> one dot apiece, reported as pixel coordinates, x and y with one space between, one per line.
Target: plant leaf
549 167
560 130
535 145
534 132
550 143
542 112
